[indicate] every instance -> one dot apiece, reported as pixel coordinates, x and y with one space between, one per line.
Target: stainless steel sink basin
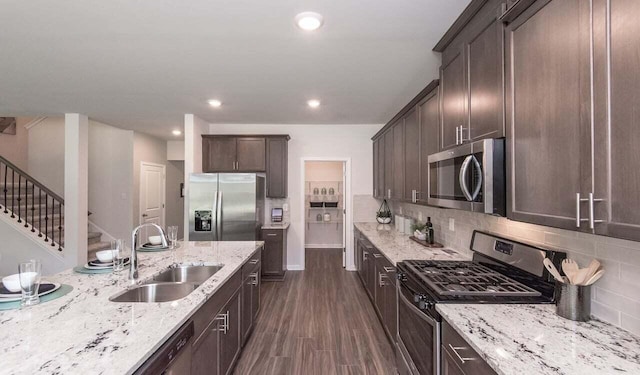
157 292
187 274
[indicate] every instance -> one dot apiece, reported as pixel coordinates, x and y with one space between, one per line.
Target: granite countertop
84 333
533 340
398 246
282 226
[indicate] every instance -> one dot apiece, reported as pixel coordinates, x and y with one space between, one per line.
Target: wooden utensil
552 269
570 268
596 276
593 267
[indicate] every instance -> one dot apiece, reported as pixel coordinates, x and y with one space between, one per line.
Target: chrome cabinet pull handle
592 220
457 136
455 351
254 261
376 255
271 234
380 281
254 275
364 255
389 269
579 201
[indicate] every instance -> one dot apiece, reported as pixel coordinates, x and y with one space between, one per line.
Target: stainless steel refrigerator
226 206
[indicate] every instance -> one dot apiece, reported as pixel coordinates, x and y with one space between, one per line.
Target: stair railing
18 190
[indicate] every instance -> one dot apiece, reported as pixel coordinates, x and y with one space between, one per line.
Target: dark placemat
43 288
426 244
64 289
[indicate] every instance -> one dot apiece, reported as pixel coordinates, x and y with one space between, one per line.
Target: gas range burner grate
454 278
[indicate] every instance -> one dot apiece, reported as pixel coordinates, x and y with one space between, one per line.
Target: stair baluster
33 207
5 189
39 213
13 194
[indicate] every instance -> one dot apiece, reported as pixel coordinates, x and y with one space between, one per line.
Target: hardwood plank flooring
317 321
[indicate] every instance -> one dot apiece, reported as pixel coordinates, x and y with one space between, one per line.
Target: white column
76 181
194 127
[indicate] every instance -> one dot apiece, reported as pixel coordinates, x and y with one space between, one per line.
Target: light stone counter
84 333
398 246
533 340
282 226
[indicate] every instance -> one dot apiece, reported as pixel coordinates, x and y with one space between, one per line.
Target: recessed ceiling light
313 103
215 103
176 132
309 20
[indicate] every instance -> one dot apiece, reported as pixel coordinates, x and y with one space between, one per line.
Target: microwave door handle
478 168
462 177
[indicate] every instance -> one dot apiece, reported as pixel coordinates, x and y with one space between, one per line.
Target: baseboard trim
295 267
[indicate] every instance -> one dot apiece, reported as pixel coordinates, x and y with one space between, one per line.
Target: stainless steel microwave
469 177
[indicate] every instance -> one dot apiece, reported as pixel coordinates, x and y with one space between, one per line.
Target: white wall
175 150
110 179
175 203
194 127
46 153
18 244
310 141
15 147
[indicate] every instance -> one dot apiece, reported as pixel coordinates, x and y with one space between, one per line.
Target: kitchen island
85 333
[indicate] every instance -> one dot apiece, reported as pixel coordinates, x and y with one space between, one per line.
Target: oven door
469 177
418 336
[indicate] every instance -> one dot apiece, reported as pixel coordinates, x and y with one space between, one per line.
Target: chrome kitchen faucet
133 267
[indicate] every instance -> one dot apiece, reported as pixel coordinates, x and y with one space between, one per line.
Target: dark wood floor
318 321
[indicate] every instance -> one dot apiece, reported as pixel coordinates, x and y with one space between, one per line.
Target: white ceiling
142 64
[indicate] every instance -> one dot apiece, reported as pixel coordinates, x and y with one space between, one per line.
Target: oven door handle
462 177
478 167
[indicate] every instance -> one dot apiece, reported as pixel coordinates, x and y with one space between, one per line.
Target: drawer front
207 313
272 235
252 264
462 354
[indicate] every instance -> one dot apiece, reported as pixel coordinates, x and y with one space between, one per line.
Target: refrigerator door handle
219 217
214 218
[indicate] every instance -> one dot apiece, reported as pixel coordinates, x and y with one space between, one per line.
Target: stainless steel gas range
501 271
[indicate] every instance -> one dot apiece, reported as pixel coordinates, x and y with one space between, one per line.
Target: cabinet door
397 190
364 259
381 168
379 289
449 366
616 164
255 294
230 337
219 154
250 155
411 154
391 303
453 100
272 254
375 169
204 360
548 132
388 164
485 84
246 296
429 126
277 167
358 255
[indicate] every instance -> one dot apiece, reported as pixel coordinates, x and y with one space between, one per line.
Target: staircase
38 209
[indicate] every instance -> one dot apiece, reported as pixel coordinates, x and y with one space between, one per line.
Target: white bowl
155 240
105 256
12 282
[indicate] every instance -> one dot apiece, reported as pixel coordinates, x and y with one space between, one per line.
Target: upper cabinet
249 154
471 76
401 148
548 96
277 166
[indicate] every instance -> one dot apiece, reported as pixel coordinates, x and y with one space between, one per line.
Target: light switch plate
420 216
452 224
285 207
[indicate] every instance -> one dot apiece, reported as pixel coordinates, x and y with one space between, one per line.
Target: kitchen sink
187 274
155 292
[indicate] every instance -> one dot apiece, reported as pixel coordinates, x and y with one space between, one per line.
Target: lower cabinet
458 358
224 322
377 274
274 257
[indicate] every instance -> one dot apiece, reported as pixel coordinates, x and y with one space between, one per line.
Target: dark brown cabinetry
411 151
429 115
250 156
274 256
458 358
549 116
377 274
277 166
240 153
401 148
220 325
250 295
471 76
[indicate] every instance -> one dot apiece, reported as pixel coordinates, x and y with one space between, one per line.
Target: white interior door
152 195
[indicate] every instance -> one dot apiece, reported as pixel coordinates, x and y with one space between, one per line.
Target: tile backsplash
616 296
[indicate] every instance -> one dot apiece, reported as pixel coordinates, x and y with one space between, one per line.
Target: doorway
152 195
325 205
